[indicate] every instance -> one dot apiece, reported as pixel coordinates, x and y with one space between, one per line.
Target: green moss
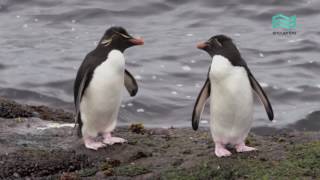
149 142
105 166
131 170
302 161
87 172
109 164
203 171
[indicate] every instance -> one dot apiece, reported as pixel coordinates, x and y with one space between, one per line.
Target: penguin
98 88
229 85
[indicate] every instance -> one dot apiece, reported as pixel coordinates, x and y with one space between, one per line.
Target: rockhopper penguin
229 85
98 87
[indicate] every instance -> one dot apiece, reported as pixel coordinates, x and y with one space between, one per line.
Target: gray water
43 43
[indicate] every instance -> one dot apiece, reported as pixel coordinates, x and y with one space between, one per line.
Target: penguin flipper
78 100
130 83
200 103
262 96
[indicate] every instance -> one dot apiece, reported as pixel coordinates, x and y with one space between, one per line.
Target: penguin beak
136 41
202 45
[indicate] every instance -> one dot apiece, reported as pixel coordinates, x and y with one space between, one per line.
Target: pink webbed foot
108 139
221 151
243 148
90 143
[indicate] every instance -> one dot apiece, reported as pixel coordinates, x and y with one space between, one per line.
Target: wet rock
166 146
158 131
28 162
187 151
167 137
16 175
11 109
139 155
177 162
132 142
281 139
263 159
69 176
47 113
114 162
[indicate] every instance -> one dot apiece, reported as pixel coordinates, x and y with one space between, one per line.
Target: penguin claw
94 145
108 139
114 140
107 142
221 151
244 148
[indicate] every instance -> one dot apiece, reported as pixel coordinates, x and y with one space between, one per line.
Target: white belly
231 103
101 101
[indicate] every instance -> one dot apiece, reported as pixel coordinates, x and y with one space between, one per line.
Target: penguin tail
78 125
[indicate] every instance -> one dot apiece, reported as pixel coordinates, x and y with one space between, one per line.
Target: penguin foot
92 144
108 139
221 151
243 148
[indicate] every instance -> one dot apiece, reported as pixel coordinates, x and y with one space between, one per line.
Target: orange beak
137 41
201 45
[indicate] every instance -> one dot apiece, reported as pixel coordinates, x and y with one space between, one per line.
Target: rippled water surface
43 43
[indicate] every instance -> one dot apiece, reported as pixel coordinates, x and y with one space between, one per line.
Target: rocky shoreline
38 142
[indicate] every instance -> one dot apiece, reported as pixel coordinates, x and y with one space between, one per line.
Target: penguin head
118 38
219 45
